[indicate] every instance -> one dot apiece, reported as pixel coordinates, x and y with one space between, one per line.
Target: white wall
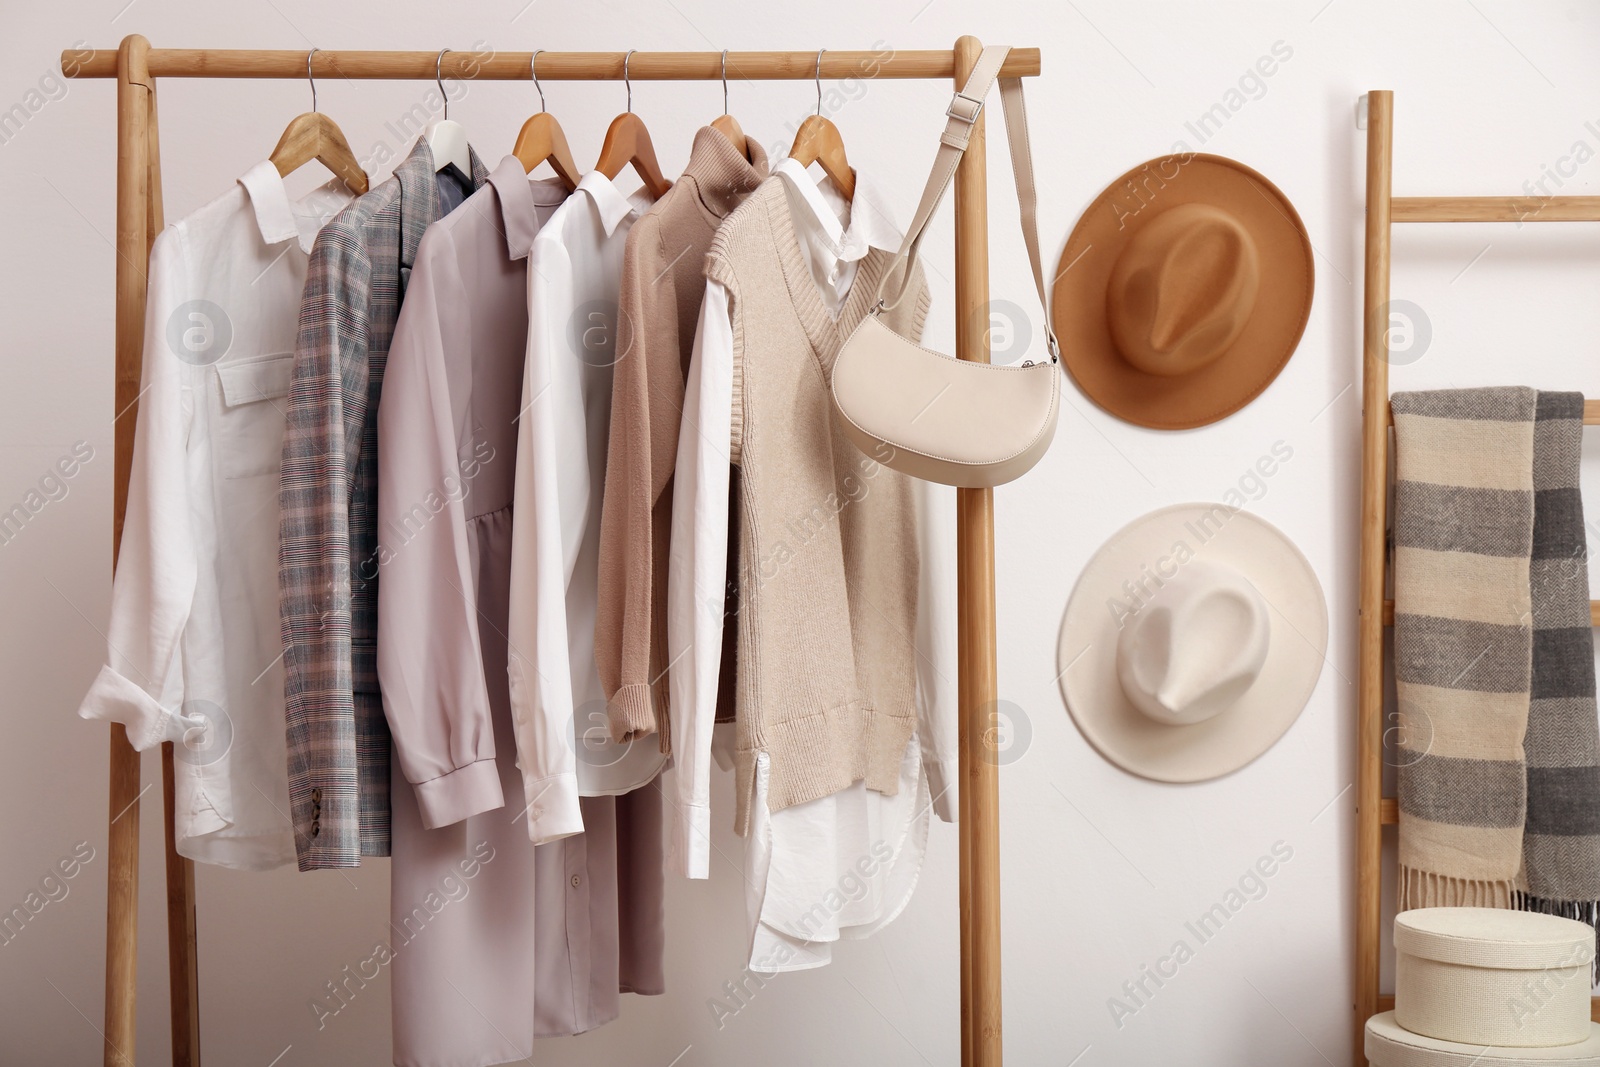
1101 870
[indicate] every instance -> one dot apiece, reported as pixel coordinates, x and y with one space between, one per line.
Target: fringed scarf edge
1425 889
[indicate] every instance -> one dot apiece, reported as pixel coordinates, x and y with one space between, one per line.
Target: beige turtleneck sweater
662 285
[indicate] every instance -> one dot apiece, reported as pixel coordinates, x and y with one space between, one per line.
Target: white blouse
840 866
557 704
195 655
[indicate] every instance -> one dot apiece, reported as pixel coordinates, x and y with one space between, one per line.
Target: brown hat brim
1269 338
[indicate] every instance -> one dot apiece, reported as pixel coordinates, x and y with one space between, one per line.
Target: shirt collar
609 203
270 199
871 223
520 197
419 194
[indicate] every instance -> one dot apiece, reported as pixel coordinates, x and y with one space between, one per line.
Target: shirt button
537 811
577 880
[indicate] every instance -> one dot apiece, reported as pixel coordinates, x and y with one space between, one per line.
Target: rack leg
133 244
964 797
122 901
182 962
1374 502
980 812
183 970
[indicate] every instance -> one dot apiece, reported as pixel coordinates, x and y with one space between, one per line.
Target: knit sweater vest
826 673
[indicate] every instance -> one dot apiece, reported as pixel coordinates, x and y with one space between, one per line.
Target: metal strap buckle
964 108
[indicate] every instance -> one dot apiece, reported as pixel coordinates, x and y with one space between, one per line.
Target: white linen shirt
558 707
844 865
195 656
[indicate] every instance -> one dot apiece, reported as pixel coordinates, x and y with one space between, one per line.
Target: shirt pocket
248 434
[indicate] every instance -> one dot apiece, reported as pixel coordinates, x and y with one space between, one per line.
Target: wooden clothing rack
136 66
1374 810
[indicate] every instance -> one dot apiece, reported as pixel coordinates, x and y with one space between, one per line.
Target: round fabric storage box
1489 976
1389 1044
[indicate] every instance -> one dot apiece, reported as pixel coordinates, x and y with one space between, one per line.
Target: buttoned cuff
631 713
942 778
115 698
689 844
553 811
463 793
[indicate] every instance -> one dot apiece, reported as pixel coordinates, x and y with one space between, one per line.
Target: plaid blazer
327 535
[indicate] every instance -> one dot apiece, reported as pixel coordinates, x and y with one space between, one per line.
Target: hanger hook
438 79
724 81
533 69
819 80
626 56
312 79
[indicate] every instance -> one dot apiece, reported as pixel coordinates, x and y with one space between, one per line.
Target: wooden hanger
542 140
447 140
316 136
628 143
818 141
725 123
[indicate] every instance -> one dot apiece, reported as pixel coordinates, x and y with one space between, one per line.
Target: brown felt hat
1182 291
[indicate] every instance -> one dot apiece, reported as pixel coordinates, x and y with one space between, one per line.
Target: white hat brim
1388 1044
1154 548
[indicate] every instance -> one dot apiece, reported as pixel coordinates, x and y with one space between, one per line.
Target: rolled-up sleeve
141 685
430 661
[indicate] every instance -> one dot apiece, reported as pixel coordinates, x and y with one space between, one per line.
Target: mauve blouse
493 941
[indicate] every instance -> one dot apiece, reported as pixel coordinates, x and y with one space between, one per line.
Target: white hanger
447 140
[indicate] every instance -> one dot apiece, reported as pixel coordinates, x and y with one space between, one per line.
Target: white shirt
195 655
844 865
557 704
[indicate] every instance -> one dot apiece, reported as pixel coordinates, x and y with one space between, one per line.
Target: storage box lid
1388 1044
1494 937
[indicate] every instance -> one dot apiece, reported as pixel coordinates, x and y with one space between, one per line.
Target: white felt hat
1192 641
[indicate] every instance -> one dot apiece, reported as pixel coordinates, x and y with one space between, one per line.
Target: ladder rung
1591 413
1388 811
1594 613
1494 209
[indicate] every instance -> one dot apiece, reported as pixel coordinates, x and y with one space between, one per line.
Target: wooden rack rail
136 66
1375 811
552 66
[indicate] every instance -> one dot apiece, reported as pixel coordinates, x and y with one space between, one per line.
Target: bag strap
963 112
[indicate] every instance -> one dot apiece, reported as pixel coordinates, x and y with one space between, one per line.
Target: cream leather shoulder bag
918 411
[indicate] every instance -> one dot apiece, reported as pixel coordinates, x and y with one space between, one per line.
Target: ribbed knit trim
631 713
919 312
825 752
718 269
720 175
826 333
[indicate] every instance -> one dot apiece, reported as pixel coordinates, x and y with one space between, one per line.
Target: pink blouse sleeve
430 663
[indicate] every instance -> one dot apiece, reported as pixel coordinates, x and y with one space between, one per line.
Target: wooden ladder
1374 810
